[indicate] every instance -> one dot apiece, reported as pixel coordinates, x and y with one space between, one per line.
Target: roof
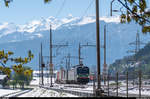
2 77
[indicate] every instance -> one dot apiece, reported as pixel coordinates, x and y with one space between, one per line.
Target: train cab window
82 70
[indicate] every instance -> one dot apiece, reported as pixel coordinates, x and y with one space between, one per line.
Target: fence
127 86
119 86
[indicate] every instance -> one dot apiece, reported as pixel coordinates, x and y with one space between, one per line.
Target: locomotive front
83 74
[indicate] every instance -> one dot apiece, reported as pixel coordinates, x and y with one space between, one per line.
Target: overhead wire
84 13
63 4
61 8
58 13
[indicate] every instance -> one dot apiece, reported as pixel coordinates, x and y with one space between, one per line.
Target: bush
13 83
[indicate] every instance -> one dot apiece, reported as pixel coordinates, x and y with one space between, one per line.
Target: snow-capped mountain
21 38
35 28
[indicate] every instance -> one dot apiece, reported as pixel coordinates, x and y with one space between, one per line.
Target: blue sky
22 11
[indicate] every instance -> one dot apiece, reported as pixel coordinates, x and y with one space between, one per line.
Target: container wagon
79 74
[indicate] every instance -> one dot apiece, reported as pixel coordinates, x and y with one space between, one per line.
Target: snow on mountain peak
68 19
29 27
35 22
7 28
115 19
3 25
86 20
36 26
70 15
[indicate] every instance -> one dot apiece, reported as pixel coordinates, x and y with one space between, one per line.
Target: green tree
135 10
4 58
13 83
23 75
47 1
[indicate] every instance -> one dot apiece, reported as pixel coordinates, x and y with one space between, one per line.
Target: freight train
79 74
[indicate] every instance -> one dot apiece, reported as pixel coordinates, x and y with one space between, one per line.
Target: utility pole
94 87
111 7
117 83
39 69
108 83
66 70
79 54
51 65
98 90
137 44
51 57
105 65
69 56
140 82
48 65
127 83
79 51
47 73
42 65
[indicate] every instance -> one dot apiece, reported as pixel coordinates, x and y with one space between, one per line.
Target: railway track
16 94
73 92
125 95
86 94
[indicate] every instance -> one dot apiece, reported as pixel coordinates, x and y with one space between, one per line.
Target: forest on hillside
133 63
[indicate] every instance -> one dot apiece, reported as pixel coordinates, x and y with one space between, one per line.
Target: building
3 80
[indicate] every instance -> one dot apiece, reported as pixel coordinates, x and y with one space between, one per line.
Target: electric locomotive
78 74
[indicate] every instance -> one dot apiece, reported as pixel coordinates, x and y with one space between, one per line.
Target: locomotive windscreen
82 70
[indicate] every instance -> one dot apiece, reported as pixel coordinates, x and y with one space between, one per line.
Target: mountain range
21 38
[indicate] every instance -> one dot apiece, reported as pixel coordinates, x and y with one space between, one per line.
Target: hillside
129 63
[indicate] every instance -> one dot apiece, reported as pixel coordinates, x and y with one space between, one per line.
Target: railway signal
47 65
